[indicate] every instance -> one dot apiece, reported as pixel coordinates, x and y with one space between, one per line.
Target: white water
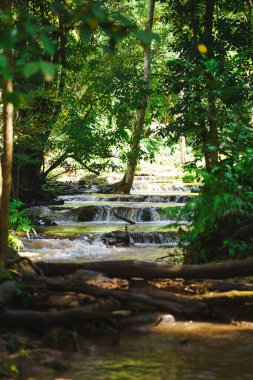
64 250
69 240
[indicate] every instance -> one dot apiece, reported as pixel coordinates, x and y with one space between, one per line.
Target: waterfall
136 214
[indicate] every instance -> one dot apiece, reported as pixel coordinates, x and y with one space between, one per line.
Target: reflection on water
181 351
69 227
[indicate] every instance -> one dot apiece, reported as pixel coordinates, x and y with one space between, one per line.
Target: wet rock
37 212
117 238
107 213
125 238
85 214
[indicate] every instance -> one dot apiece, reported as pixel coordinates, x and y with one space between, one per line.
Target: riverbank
55 325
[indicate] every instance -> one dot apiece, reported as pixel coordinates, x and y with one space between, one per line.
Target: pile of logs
122 294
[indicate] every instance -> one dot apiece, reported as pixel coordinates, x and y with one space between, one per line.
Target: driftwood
81 295
123 218
160 300
38 319
133 268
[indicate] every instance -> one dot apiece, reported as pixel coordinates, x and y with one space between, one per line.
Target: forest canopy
100 85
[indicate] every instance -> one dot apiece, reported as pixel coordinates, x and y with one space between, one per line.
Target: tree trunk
134 268
126 184
6 168
29 153
6 180
211 156
182 144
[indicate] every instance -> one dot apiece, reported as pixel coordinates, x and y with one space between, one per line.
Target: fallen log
160 300
233 297
220 286
146 270
163 302
66 317
123 218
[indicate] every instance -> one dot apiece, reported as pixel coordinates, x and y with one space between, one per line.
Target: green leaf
31 68
31 29
47 44
122 313
3 62
99 12
48 70
146 36
212 147
17 98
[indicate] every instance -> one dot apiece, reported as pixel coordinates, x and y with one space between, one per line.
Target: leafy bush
190 176
93 179
20 224
221 217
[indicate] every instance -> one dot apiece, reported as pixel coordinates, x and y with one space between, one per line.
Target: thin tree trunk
183 154
55 164
126 184
6 170
193 20
212 138
8 115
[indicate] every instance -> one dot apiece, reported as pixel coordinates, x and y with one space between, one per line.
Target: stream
84 219
170 351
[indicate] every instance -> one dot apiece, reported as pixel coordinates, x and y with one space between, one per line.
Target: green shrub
221 216
20 224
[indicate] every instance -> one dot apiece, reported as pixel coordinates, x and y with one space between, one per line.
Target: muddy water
177 351
181 355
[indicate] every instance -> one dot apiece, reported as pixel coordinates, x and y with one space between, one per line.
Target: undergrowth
221 216
20 224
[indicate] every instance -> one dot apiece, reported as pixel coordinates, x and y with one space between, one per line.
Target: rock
38 212
85 214
123 238
117 238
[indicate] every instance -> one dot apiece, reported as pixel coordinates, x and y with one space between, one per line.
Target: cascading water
97 231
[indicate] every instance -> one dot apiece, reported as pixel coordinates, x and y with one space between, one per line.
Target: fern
14 241
20 225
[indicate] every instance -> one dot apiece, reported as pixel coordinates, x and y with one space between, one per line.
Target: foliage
9 370
213 85
64 51
221 217
20 224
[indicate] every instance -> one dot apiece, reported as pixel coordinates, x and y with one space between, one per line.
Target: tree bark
7 158
183 154
211 156
134 268
193 20
125 185
55 164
